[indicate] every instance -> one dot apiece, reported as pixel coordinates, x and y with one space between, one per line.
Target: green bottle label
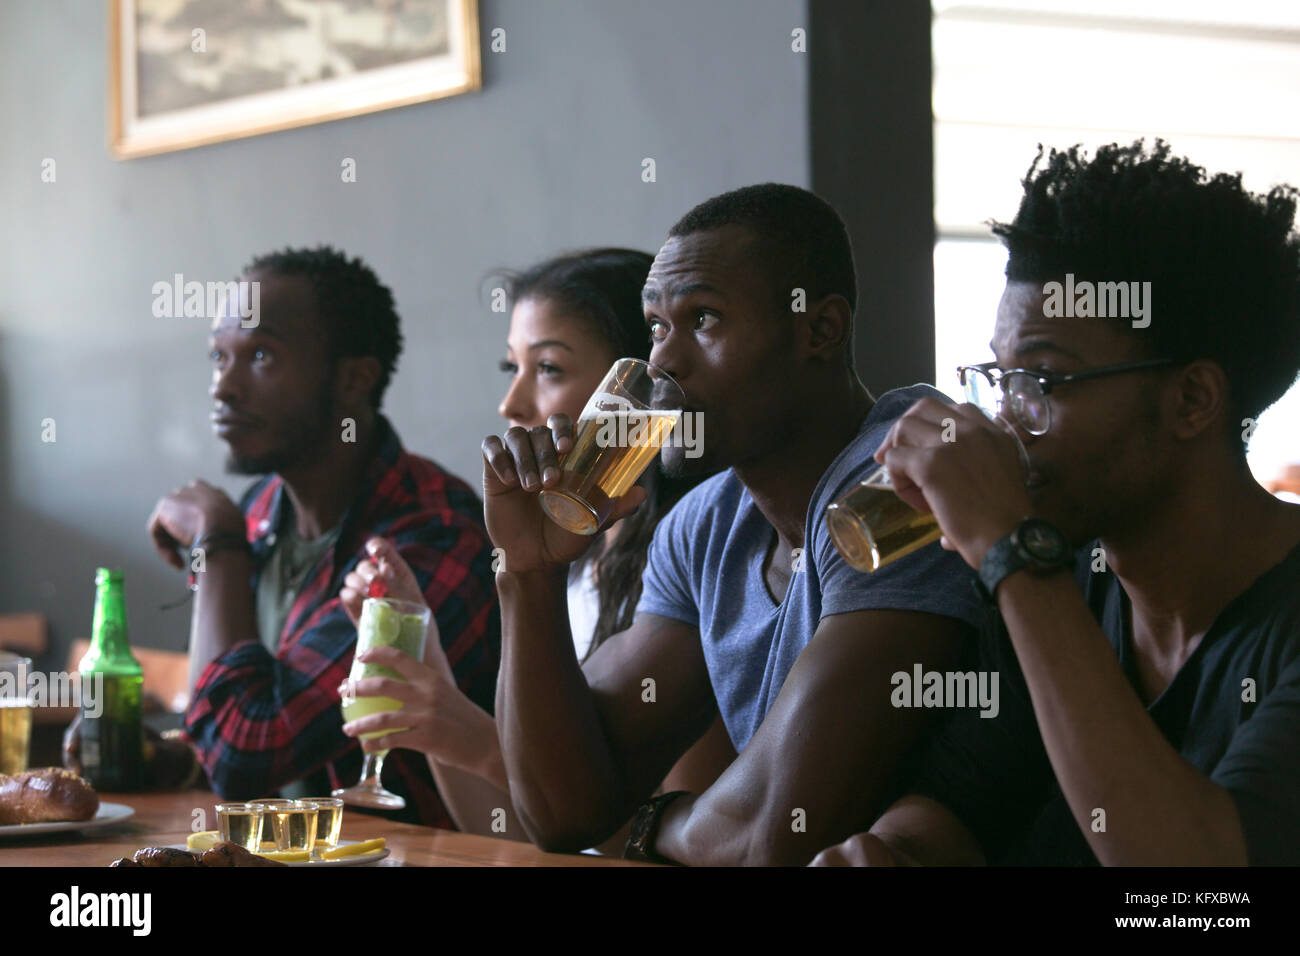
112 744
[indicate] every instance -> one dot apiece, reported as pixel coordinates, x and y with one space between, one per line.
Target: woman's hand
435 718
391 568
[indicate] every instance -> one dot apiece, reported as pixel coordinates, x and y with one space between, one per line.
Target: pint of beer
623 426
15 713
872 526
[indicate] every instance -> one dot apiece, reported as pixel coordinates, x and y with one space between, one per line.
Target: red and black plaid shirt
260 721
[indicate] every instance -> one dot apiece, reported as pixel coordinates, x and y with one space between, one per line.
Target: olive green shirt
291 560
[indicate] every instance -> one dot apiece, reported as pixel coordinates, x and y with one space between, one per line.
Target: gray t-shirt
705 568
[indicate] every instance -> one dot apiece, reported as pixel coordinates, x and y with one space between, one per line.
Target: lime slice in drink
385 625
411 639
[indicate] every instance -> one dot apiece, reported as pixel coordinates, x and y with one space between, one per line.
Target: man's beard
295 440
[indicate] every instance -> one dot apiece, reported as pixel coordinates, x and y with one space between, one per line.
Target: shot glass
269 805
295 826
329 820
241 823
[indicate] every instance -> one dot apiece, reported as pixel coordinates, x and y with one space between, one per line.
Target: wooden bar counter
168 818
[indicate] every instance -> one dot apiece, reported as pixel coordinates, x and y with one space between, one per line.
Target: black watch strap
645 825
1002 560
1049 551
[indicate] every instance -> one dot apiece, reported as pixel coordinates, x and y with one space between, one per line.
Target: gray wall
547 156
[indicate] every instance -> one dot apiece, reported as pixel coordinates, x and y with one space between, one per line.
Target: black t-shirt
1232 711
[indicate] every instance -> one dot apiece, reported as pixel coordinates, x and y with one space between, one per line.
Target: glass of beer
621 429
871 526
241 823
15 712
385 622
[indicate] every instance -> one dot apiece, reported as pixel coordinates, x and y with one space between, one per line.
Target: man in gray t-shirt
703 570
747 609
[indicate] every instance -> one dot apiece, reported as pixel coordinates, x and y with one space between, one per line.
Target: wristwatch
1034 545
645 824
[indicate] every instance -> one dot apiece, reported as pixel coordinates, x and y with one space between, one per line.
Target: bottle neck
108 640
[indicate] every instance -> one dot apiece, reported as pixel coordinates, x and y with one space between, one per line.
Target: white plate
107 815
345 861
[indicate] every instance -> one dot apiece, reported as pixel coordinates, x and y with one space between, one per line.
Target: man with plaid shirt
296 397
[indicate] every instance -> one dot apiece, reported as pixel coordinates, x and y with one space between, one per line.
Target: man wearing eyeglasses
1150 682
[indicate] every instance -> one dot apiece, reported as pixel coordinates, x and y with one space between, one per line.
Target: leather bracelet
645 826
213 541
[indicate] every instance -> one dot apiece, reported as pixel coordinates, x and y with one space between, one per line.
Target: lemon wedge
354 849
286 856
203 840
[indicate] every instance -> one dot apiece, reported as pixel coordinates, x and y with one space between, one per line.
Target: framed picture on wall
191 72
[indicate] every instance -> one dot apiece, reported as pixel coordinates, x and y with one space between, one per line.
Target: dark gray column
872 159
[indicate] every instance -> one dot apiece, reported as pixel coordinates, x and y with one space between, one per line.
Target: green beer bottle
112 743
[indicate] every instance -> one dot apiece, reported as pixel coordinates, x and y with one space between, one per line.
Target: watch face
1043 542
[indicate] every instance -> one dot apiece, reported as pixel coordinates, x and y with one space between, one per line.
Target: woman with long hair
571 318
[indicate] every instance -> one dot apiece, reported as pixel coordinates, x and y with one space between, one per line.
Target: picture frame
188 73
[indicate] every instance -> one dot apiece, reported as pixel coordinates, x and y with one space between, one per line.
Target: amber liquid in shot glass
240 823
269 805
295 827
329 820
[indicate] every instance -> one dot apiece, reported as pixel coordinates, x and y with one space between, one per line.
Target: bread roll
52 795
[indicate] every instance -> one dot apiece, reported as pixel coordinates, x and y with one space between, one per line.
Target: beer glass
15 713
385 622
871 526
623 426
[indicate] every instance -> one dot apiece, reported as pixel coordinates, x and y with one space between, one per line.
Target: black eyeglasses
1025 391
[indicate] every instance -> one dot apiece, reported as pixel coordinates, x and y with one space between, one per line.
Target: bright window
1214 79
